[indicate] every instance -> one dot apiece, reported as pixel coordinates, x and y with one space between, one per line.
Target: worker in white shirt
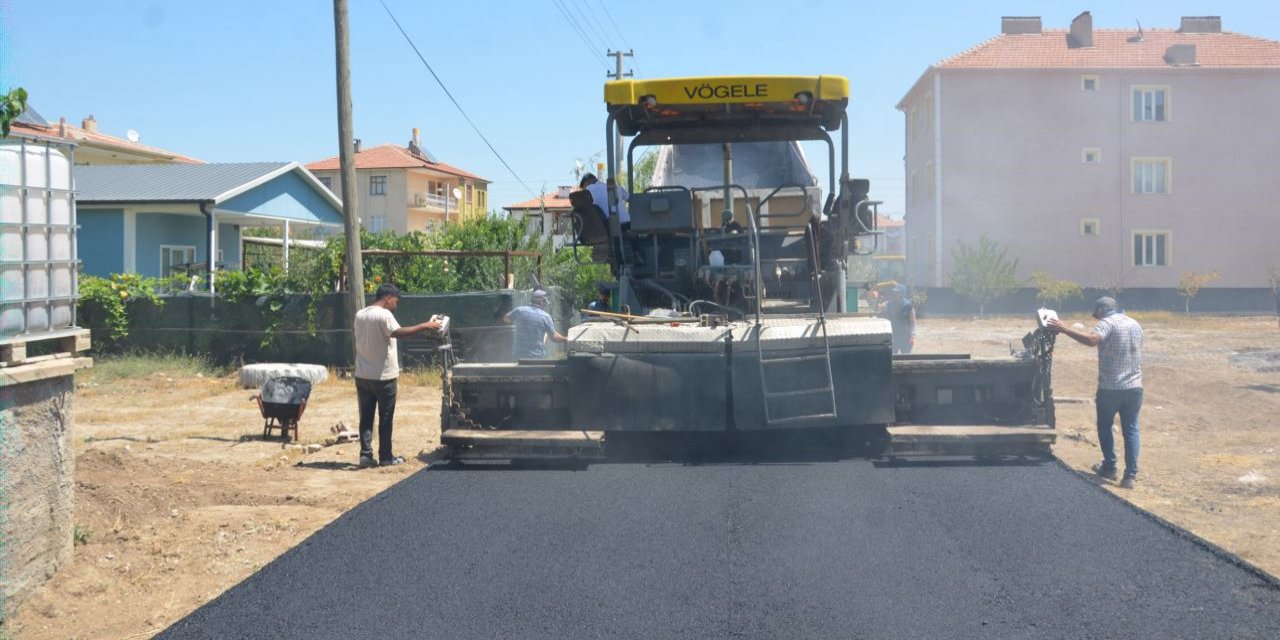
600 196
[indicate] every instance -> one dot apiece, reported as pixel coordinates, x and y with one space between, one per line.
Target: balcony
431 201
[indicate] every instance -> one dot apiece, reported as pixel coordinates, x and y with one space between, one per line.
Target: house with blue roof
164 219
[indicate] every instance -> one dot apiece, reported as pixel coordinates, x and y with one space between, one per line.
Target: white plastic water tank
36 260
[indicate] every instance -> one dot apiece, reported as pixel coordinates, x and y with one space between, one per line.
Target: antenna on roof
1139 38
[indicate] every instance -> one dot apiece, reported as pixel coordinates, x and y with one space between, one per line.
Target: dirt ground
177 498
1209 427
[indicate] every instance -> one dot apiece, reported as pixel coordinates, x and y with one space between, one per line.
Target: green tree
644 171
983 272
1052 292
12 105
1190 283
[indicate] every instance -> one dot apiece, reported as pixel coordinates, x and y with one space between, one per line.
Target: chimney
564 192
357 145
62 127
1014 25
1081 35
1201 24
89 124
1181 55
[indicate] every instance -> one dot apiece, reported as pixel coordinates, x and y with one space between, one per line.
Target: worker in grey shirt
377 371
533 326
1118 339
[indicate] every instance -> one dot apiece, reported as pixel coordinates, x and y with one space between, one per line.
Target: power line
452 99
621 35
614 23
581 34
584 9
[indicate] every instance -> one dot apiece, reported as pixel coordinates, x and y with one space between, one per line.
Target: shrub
983 272
111 296
1052 292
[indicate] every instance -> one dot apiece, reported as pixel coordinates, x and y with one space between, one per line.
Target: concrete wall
36 469
1011 169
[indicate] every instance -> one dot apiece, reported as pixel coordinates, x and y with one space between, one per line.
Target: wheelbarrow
282 402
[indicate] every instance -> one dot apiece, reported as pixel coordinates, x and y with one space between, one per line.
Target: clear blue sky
232 80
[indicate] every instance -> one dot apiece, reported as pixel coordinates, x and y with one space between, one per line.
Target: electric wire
621 35
454 100
573 24
589 18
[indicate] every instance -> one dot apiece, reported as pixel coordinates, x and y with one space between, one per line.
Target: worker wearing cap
533 326
1118 339
377 371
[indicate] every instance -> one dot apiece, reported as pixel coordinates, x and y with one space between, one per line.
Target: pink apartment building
1111 157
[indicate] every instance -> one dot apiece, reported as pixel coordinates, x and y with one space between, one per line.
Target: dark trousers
1127 403
380 394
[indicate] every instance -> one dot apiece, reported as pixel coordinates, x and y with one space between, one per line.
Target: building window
1088 83
912 184
928 112
1151 104
1152 175
930 181
377 223
176 259
1091 155
377 185
1089 227
327 182
1151 248
911 124
468 194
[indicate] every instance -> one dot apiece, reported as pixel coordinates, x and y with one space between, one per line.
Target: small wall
945 302
36 469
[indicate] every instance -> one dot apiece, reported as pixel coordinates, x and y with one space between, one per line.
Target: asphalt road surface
845 549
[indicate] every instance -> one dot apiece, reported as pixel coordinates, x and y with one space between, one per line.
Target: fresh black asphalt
835 549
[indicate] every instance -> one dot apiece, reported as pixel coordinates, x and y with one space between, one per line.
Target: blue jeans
1127 403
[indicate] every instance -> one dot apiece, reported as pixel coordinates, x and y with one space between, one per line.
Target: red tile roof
390 156
549 201
1115 48
101 140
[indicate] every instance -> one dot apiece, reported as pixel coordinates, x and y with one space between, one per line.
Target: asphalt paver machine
731 313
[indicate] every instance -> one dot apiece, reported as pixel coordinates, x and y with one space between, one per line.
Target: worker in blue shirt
533 326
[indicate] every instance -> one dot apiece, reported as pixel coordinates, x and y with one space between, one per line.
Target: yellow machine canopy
673 105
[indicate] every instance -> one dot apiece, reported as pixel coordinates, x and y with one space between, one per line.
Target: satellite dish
457 193
132 135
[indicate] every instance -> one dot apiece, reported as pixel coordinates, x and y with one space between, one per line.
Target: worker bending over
533 326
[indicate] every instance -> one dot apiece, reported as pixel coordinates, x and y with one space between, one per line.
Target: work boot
1104 471
391 462
367 462
1128 482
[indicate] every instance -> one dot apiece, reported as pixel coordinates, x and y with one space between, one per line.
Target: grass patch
422 376
113 368
81 534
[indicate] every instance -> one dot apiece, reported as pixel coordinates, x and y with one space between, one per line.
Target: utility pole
618 75
347 160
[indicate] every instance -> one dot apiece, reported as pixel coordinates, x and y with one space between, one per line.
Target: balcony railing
432 201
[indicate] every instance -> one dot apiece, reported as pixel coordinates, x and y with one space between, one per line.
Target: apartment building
405 189
1117 158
